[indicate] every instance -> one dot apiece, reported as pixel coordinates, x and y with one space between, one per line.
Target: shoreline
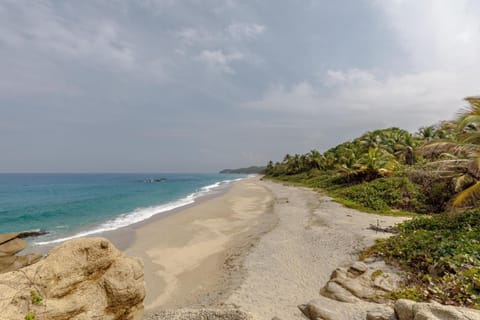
123 237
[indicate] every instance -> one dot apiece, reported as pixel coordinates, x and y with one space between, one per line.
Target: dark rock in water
155 180
34 233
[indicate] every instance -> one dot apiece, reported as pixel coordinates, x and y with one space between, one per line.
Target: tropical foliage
440 256
442 161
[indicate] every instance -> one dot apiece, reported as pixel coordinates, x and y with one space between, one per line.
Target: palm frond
474 167
463 182
440 147
467 196
459 165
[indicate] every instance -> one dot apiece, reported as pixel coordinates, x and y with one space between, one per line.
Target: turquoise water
73 205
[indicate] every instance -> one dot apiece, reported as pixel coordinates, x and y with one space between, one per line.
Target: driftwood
381 229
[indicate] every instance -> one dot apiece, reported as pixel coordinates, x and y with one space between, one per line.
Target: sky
202 85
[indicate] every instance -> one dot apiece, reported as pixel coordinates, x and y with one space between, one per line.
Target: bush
438 190
385 194
440 254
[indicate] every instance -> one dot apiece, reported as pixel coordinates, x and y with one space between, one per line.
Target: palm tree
469 138
458 156
376 161
313 159
427 133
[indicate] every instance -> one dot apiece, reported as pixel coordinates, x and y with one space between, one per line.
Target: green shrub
30 316
385 194
36 298
440 254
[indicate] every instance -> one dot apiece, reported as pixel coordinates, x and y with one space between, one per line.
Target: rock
410 310
81 279
385 283
335 291
200 314
316 312
18 262
7 237
34 233
404 309
11 247
359 267
360 282
381 314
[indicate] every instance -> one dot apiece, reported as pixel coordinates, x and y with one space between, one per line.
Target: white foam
142 214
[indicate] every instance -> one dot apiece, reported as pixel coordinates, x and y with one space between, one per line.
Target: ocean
74 205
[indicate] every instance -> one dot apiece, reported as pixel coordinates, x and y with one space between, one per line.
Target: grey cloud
161 85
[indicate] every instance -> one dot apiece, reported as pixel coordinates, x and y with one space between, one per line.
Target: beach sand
193 257
262 246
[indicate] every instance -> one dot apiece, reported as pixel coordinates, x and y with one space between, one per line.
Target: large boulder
411 310
81 279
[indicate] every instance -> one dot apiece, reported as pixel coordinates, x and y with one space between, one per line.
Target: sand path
292 262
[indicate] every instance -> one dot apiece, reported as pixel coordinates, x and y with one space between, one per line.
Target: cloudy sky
199 85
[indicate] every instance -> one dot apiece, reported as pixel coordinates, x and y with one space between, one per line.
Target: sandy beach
262 246
193 257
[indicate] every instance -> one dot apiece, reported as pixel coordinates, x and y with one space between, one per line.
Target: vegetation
434 172
441 256
36 298
30 316
441 162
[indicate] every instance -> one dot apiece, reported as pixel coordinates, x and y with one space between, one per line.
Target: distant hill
249 170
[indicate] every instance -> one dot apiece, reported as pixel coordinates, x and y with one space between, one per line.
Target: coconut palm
463 154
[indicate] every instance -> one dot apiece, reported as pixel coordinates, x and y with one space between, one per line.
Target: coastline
122 237
258 246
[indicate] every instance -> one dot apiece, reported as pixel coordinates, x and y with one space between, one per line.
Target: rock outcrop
360 282
81 279
411 310
10 245
327 309
356 293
